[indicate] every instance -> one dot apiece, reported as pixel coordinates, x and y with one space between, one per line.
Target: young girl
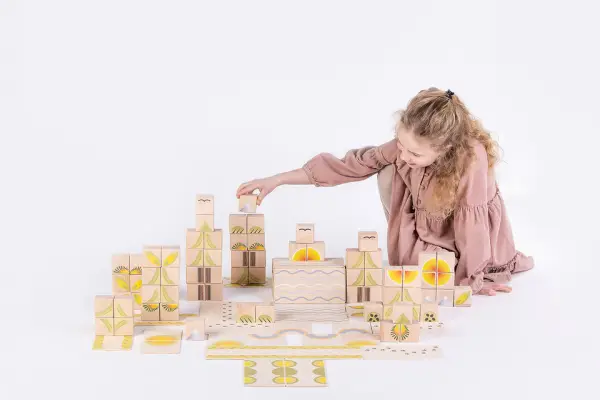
437 186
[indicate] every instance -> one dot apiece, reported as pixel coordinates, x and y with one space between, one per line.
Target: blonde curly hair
443 119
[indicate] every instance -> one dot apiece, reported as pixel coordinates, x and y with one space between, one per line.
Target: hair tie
449 94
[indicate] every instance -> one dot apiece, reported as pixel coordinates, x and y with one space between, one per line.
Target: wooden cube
151 293
374 293
205 222
428 267
393 277
430 313
411 276
151 276
137 301
315 251
356 294
170 256
402 313
153 256
257 276
238 224
297 251
195 292
445 297
373 259
391 332
194 275
194 258
104 306
412 295
169 294
120 264
355 310
391 295
305 233
257 259
213 275
373 312
170 276
428 296
238 242
355 277
135 283
245 313
169 312
355 258
445 280
240 276
410 333
105 326
194 239
120 284
446 261
123 306
255 223
150 312
213 292
368 241
265 313
385 331
213 258
373 277
137 262
123 326
248 203
463 296
205 204
213 240
256 242
195 329
239 259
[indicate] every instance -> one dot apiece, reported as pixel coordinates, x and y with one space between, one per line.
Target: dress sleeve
358 164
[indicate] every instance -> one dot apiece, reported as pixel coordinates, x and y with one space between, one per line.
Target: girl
437 186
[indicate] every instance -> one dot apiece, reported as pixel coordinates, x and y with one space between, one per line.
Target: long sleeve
358 164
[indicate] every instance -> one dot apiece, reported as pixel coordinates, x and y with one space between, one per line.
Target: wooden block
248 203
446 262
385 331
428 267
194 239
195 292
305 233
214 292
355 258
194 329
194 258
411 276
402 313
373 277
463 296
238 242
240 276
213 240
150 293
393 277
373 312
409 333
245 313
429 295
391 295
239 259
373 259
213 258
373 293
213 275
297 251
315 251
445 297
355 277
135 283
170 256
391 332
151 276
105 326
120 264
123 326
205 204
169 294
194 275
150 312
257 276
256 242
255 223
412 295
355 310
123 306
169 312
137 301
257 259
356 294
104 306
120 284
205 222
265 313
430 313
445 280
170 276
238 224
137 262
368 241
153 256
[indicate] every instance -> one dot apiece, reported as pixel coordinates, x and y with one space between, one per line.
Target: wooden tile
104 306
255 223
239 259
205 204
305 372
194 258
374 277
213 240
123 326
151 293
305 233
214 292
120 264
123 306
393 277
402 313
374 293
387 331
429 295
256 242
257 276
137 262
135 283
205 222
105 326
120 284
411 276
445 280
238 224
195 292
248 203
409 333
161 341
169 311
170 256
265 313
112 343
240 276
355 258
373 259
463 296
213 258
213 275
264 372
430 313
150 312
245 313
257 259
194 275
368 241
194 329
238 242
355 277
445 297
194 239
412 295
169 294
355 294
373 312
137 301
446 262
315 251
151 276
170 276
153 255
428 267
391 295
297 251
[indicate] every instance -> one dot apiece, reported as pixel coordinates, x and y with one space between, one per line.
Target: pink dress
478 232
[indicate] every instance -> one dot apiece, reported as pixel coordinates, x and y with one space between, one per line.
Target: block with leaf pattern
135 283
240 276
373 277
151 293
402 313
120 284
120 264
462 296
104 306
213 258
123 306
105 326
213 240
137 261
355 258
205 222
123 326
257 276
194 257
205 204
194 239
153 256
373 259
355 277
169 311
169 294
412 295
169 276
255 224
151 276
170 256
391 295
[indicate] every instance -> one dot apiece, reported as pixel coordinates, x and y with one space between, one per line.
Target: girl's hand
265 186
490 289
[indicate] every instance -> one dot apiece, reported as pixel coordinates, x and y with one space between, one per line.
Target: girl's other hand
264 186
490 289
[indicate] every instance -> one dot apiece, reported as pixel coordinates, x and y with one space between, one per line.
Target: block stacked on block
364 270
114 315
437 280
127 276
254 312
305 248
247 244
204 254
160 283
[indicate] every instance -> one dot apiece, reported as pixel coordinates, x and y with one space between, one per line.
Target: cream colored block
256 242
374 293
255 223
446 261
151 276
205 222
355 258
123 306
305 233
297 251
411 276
153 255
213 275
213 258
463 296
137 301
194 329
238 224
265 313
120 264
257 259
239 259
428 267
373 312
194 239
195 292
213 240
248 203
213 292
316 251
205 204
391 295
169 311
151 293
194 258
391 332
445 280
368 241
123 326
402 313
238 242
240 276
194 275
245 313
373 259
373 277
120 284
135 283
393 277
356 294
430 313
445 297
170 276
355 277
150 312
137 262
170 256
428 296
412 295
104 306
169 294
105 326
257 276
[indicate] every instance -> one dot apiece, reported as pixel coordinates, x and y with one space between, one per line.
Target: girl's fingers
502 288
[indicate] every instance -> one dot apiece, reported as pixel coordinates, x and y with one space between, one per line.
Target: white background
114 114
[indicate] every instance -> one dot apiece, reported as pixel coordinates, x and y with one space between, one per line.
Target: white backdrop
114 114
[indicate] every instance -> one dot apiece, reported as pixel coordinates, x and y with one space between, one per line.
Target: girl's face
415 152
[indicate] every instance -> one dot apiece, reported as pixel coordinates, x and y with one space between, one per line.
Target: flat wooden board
112 343
284 372
161 341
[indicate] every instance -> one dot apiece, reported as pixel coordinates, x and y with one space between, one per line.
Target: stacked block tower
204 254
364 270
247 244
127 277
114 315
160 283
305 248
